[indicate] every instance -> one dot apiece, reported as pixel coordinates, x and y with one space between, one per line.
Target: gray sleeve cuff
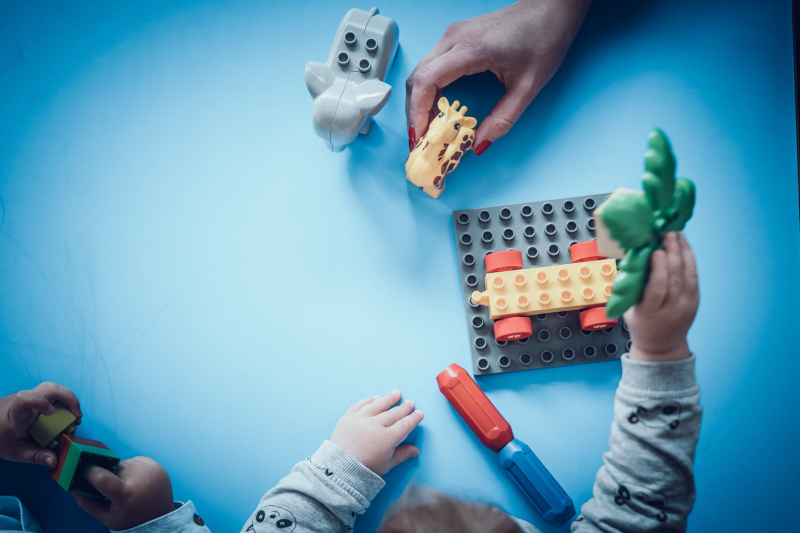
345 468
664 376
181 520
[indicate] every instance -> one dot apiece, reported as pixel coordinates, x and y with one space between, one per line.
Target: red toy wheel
503 261
585 251
511 329
595 318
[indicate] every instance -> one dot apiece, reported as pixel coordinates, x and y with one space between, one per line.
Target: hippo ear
444 104
468 122
371 96
319 77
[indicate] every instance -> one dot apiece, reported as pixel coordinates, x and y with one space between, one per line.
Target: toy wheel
596 318
511 329
503 261
585 251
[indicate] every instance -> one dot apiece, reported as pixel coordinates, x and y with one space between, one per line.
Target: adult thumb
503 116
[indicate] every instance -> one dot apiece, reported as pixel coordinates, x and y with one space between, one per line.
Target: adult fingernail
412 138
482 146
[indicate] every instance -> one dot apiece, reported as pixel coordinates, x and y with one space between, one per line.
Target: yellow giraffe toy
450 135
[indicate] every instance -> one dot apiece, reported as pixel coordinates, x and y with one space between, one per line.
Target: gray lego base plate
543 232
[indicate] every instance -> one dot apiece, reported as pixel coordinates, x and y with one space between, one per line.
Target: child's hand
659 323
371 432
17 413
140 491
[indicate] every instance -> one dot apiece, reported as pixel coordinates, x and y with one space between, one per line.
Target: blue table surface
179 248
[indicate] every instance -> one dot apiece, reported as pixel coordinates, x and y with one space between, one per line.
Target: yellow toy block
547 289
46 430
439 151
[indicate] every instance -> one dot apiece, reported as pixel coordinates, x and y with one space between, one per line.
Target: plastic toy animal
348 89
437 153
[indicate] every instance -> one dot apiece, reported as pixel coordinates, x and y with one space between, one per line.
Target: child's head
425 510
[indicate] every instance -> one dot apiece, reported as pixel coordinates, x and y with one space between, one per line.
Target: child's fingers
382 403
29 452
689 266
54 391
93 507
107 482
655 292
396 413
361 403
406 425
674 265
402 454
24 403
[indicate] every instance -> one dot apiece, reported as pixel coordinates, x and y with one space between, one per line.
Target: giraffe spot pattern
465 137
444 167
450 167
436 180
456 156
441 154
426 145
465 145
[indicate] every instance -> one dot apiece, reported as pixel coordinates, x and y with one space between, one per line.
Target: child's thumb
28 452
105 481
402 454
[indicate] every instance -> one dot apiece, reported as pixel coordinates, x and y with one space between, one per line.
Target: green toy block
46 430
75 456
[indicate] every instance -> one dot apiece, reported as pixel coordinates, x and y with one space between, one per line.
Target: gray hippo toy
348 89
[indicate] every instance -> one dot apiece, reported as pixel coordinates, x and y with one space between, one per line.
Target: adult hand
139 492
372 429
522 44
659 323
17 413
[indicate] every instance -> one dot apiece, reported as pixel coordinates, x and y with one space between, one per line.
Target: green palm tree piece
639 222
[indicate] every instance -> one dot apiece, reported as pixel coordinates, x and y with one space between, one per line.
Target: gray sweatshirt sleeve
324 493
646 481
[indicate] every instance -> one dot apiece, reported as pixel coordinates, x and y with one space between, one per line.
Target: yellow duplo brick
547 289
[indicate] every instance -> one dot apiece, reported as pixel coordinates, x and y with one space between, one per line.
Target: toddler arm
646 481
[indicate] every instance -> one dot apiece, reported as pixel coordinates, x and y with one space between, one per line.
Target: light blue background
179 248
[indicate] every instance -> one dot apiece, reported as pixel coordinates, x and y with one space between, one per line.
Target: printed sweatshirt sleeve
184 519
646 481
324 493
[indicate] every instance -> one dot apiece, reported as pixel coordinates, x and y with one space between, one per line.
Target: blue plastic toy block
537 483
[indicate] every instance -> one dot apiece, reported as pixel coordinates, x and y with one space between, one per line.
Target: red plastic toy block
596 318
509 329
474 407
62 450
503 261
585 251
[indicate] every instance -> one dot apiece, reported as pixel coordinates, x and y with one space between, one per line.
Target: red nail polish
482 146
412 138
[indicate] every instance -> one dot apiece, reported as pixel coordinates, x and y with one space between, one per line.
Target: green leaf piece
639 222
629 282
659 164
682 204
629 220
